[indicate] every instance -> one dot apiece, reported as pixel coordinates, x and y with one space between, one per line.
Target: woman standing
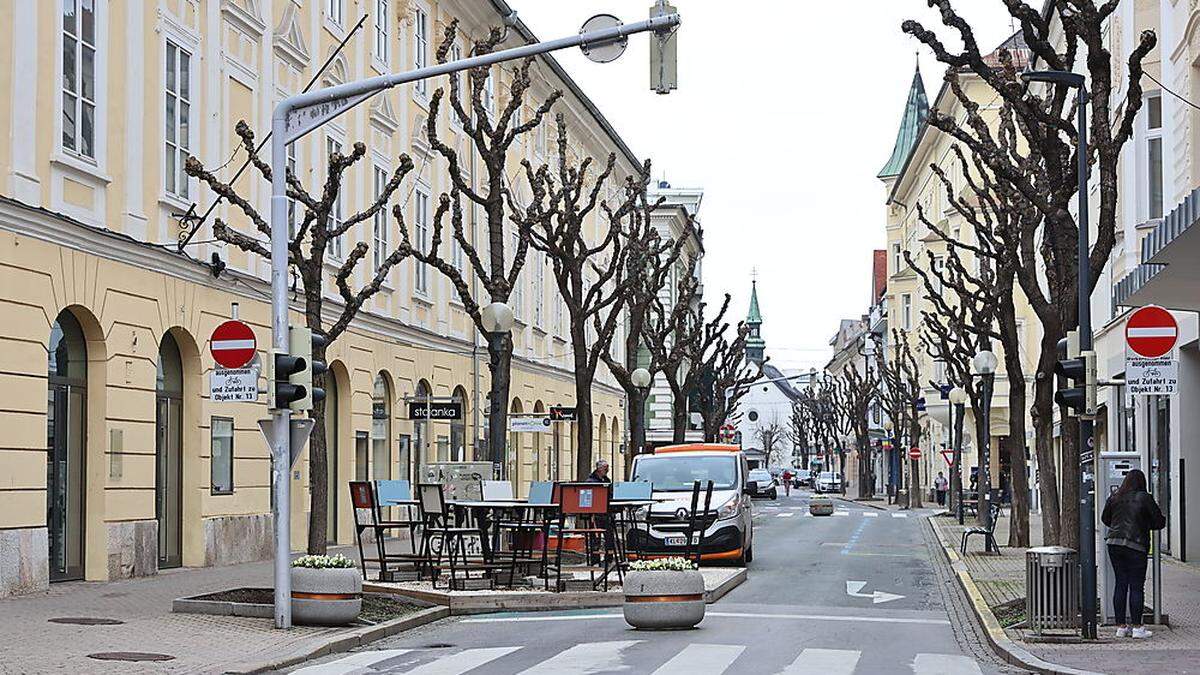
1130 514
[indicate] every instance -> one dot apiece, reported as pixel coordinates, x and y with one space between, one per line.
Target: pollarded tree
732 375
900 390
491 137
320 227
1033 152
592 276
858 391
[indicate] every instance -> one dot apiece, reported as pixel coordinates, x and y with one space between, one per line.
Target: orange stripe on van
698 447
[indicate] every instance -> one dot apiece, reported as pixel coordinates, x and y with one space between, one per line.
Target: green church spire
916 110
755 345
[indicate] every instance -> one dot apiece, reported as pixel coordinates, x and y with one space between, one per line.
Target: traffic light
302 342
1080 369
281 391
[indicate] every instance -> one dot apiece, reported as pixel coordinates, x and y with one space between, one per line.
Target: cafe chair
698 521
368 516
587 504
630 491
497 491
528 528
452 551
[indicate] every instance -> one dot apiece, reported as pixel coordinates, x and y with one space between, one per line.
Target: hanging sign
536 423
438 412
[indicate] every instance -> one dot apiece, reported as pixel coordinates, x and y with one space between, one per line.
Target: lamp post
497 319
888 425
985 363
958 397
637 410
1087 484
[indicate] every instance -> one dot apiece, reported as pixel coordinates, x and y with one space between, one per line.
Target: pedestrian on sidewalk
941 486
1130 514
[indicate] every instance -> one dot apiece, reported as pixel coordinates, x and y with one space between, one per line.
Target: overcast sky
785 113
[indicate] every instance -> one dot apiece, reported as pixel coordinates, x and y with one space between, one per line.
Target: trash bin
1051 588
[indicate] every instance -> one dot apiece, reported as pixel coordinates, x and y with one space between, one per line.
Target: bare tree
732 376
899 394
772 436
1033 152
858 391
684 340
800 428
318 227
591 276
491 136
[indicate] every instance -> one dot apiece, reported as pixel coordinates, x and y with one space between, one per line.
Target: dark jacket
595 478
1130 518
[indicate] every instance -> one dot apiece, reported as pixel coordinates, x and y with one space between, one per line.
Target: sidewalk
1001 579
198 643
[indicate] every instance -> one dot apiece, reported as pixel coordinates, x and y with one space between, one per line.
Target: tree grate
86 621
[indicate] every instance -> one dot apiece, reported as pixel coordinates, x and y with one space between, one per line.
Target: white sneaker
1140 632
1123 631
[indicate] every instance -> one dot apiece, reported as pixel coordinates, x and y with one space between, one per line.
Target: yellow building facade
116 462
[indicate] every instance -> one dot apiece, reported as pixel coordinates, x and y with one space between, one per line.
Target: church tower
755 345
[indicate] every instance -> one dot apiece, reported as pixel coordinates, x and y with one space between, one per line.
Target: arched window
423 451
168 473
65 442
458 428
381 428
541 469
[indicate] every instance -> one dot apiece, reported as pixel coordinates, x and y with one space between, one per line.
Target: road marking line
731 615
870 514
353 663
824 662
459 663
591 657
789 514
936 664
899 515
701 658
841 513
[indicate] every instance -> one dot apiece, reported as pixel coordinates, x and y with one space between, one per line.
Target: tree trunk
1043 433
865 485
583 422
1069 440
983 470
1018 531
318 456
500 367
956 476
679 417
914 438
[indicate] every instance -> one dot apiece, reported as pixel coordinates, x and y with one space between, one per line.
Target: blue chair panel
631 490
393 491
541 492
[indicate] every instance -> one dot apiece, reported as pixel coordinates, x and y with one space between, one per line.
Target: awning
1168 275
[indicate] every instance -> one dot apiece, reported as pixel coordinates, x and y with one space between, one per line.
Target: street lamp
893 468
985 363
1087 484
641 378
497 319
958 398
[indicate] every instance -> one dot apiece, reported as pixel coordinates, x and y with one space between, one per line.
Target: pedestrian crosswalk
844 513
620 655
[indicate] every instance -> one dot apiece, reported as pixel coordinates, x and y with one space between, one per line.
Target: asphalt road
857 592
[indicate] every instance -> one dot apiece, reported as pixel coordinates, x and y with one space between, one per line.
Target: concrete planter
820 506
326 597
664 600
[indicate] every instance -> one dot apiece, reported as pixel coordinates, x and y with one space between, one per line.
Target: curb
725 586
858 503
1010 651
344 642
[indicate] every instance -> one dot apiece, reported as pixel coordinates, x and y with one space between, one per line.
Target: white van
671 471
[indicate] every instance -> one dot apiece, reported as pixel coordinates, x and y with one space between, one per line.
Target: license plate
679 541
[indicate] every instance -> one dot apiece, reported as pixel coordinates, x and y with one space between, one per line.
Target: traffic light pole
1087 485
281 415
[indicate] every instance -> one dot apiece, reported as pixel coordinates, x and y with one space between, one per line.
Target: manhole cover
87 621
438 645
130 656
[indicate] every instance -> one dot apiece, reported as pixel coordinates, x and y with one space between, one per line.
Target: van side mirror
748 487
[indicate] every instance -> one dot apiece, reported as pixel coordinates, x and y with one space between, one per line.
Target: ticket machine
1113 467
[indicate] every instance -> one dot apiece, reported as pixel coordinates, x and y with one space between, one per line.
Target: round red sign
232 344
914 453
1151 332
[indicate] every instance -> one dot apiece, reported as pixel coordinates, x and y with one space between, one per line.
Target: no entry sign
1151 332
232 344
914 453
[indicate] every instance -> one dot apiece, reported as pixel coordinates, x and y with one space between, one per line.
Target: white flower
338 561
672 564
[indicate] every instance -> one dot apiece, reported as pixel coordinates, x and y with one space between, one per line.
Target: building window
79 77
335 10
293 224
222 455
897 259
381 243
518 291
421 46
421 219
906 311
753 416
381 30
178 117
1154 148
489 95
381 428
539 288
335 213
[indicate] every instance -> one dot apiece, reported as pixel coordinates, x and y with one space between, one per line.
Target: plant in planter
664 594
326 590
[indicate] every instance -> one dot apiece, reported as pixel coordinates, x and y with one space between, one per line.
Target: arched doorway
601 450
617 460
514 456
332 427
540 471
422 430
66 446
168 455
381 428
458 428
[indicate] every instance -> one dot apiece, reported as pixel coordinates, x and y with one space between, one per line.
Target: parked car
671 470
761 484
801 477
828 481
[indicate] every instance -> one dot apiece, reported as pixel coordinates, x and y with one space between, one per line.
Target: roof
777 378
754 315
691 448
916 110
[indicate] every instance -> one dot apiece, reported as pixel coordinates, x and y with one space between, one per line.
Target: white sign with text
1151 377
233 385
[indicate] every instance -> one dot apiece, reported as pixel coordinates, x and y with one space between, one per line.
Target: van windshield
677 472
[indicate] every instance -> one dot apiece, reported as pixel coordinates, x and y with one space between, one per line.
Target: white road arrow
854 590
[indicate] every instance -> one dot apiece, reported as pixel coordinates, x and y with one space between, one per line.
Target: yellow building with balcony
115 462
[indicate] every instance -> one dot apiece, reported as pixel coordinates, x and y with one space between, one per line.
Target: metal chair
452 540
703 519
989 533
587 505
365 500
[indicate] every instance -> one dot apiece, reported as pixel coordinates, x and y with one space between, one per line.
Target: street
856 592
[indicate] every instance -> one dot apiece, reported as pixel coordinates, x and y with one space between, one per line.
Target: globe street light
640 378
985 367
497 319
958 398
